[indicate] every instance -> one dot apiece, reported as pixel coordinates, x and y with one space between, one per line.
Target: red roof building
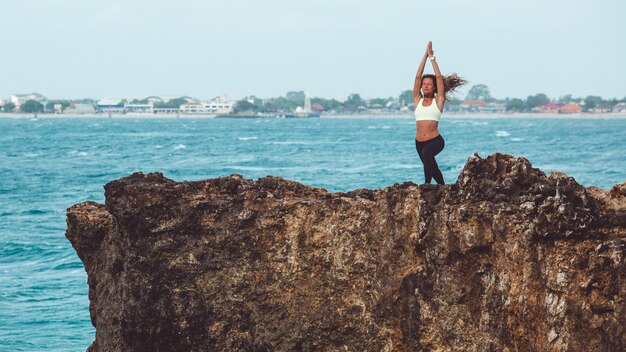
548 108
474 103
570 108
317 107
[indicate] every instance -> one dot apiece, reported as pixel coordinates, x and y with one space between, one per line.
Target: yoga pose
429 97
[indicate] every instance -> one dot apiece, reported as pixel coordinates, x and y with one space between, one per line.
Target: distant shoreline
408 115
515 115
106 116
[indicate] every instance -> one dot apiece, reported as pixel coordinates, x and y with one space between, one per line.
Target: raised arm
441 90
418 79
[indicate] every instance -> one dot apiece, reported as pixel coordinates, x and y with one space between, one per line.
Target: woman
429 103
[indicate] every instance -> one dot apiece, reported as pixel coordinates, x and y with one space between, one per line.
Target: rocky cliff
505 259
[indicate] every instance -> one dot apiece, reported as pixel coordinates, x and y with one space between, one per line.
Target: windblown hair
450 83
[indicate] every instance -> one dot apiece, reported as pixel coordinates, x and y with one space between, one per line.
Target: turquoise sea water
47 165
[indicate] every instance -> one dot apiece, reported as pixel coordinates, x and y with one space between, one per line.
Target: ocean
47 165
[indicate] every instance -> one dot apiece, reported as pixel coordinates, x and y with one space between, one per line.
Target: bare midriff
425 130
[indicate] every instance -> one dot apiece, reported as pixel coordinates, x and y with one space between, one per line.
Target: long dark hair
450 83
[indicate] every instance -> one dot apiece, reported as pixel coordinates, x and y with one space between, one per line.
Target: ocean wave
247 138
502 133
180 146
36 212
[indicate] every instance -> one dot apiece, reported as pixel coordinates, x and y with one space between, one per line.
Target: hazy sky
330 48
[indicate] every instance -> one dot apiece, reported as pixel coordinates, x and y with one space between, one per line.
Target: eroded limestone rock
505 259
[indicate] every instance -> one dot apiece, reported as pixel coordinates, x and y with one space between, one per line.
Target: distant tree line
34 106
355 102
481 92
295 99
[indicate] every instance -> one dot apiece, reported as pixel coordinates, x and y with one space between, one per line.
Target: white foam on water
31 155
517 139
180 146
502 133
247 138
77 153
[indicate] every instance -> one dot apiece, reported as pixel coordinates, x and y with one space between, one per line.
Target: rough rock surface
506 259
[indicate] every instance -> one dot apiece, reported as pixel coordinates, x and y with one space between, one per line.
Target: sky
66 49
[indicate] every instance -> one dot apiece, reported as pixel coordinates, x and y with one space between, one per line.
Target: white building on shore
19 99
76 108
110 105
134 108
192 108
217 106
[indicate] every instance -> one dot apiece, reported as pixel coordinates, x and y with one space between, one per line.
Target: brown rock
505 259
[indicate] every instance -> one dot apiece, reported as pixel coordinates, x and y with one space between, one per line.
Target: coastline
408 115
514 115
107 116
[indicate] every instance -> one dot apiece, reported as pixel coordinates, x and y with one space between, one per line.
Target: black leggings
427 151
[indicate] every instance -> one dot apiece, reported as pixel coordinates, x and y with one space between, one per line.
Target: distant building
619 107
570 108
192 108
217 107
472 105
482 106
75 108
139 108
19 99
495 108
603 107
548 108
166 110
317 107
214 107
110 105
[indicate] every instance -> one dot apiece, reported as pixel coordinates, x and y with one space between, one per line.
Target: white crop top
429 113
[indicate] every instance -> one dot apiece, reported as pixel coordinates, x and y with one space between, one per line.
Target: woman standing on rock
429 102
